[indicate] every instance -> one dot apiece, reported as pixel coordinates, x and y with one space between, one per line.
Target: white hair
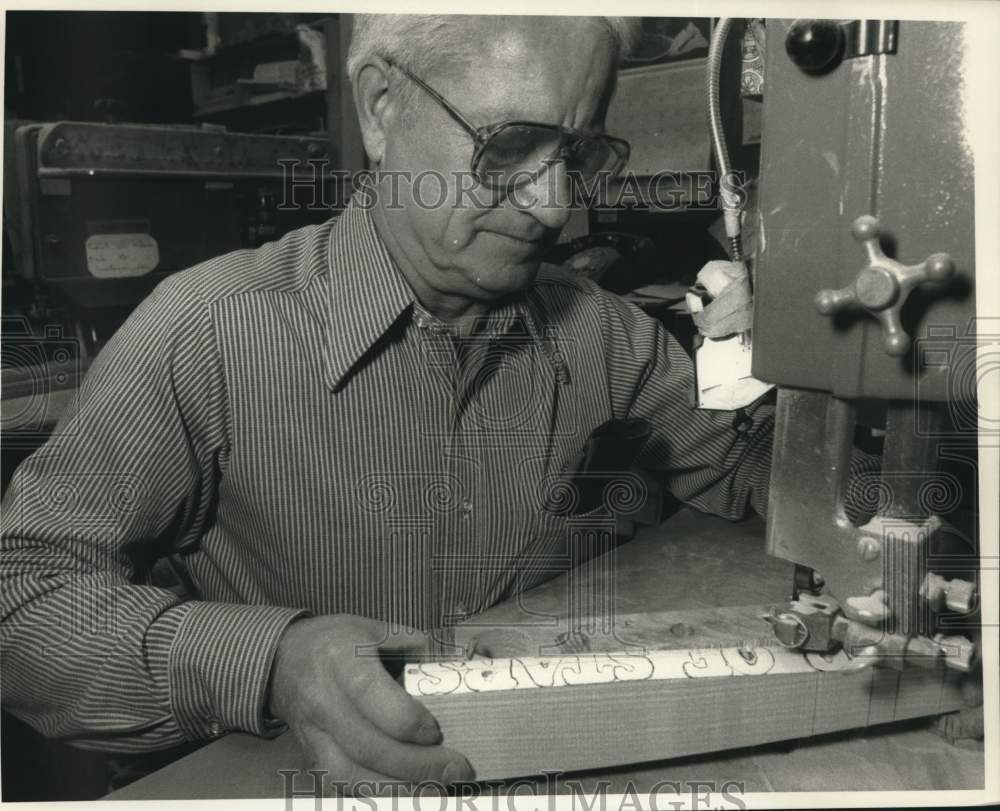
419 41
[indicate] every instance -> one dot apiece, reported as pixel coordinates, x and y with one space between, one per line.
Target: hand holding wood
351 718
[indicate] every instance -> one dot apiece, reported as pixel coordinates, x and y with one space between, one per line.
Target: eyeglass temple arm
461 119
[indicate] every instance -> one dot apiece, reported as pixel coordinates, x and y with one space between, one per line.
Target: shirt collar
368 295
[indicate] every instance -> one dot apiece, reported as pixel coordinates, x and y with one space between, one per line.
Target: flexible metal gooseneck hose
731 198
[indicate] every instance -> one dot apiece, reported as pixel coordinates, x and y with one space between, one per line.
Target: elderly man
348 434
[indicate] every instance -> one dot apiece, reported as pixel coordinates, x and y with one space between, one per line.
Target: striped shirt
308 439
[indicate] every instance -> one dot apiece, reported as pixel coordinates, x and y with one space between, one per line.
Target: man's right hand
351 718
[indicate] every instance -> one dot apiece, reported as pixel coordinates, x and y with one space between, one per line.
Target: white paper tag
722 367
121 256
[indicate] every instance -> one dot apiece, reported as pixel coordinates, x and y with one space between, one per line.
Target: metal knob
816 46
883 286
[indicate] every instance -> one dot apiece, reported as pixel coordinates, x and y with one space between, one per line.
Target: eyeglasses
514 153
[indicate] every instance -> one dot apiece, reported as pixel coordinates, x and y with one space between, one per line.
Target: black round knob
816 46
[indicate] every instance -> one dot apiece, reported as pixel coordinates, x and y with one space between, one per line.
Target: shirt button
742 422
466 508
461 610
214 728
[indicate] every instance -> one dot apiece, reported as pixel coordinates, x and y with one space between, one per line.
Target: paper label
723 372
121 256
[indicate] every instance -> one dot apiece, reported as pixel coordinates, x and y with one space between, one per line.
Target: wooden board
731 626
668 583
529 715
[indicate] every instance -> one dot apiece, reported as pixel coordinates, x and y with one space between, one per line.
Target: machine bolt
955 595
869 610
868 548
932 590
922 651
958 652
960 596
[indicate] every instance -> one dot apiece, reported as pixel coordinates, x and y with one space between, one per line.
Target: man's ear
371 98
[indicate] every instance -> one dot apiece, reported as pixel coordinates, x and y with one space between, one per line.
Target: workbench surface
689 563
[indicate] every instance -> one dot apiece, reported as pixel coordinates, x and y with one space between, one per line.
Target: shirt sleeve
718 462
715 461
92 652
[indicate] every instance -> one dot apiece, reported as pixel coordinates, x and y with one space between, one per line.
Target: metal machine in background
865 316
96 215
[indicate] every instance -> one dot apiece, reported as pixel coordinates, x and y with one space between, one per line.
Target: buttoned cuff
219 667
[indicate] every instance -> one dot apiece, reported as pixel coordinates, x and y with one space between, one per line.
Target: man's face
482 245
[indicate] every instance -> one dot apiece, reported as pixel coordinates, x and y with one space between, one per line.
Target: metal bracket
869 37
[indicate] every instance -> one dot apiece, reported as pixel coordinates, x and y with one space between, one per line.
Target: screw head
868 548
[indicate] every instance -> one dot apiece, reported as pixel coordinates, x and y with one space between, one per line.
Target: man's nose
548 198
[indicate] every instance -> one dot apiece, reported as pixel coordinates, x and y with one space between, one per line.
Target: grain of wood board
574 711
729 626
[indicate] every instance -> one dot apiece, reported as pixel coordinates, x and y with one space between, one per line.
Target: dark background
86 66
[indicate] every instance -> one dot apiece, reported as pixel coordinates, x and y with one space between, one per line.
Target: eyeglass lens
515 152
